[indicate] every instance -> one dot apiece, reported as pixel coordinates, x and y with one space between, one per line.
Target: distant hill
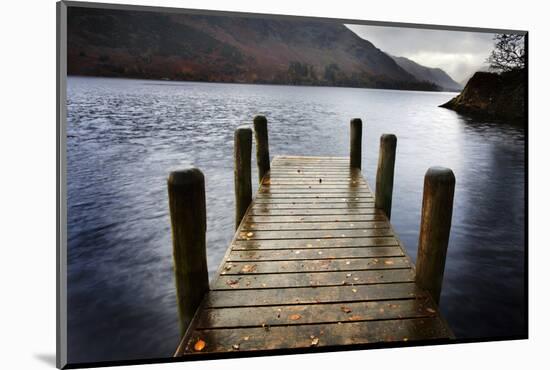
434 75
142 44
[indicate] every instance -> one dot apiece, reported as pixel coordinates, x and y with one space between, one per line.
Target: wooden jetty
315 263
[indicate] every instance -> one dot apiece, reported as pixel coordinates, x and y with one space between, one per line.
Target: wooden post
356 126
384 174
186 197
435 227
262 146
242 172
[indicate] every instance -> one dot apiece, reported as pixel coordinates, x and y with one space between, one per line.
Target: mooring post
242 172
356 133
262 146
384 173
186 196
435 227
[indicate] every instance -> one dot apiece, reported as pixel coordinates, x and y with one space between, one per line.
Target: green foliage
301 73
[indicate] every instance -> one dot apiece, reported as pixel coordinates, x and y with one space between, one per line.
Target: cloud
458 53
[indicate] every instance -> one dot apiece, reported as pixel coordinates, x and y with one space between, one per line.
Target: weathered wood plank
349 205
312 200
344 192
328 313
314 243
313 279
307 336
320 218
340 294
350 264
311 212
313 234
318 186
344 197
313 254
250 226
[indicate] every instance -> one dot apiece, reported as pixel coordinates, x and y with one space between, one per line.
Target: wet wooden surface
313 264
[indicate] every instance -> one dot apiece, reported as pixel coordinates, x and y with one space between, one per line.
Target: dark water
124 136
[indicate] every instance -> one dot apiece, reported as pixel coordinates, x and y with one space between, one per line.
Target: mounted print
236 184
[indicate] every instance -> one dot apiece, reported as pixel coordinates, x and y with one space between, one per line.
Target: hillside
228 49
433 75
492 96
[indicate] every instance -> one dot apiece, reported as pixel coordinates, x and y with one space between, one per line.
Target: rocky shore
493 96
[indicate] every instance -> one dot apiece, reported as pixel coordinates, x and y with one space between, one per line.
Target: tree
509 53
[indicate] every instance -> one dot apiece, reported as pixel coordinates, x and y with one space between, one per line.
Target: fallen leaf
348 275
248 268
345 309
314 341
236 346
249 234
246 338
199 345
356 279
388 262
232 283
354 290
430 310
347 262
295 317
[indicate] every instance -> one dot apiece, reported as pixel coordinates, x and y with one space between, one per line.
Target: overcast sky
458 53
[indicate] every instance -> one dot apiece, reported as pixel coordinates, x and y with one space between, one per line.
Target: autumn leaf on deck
295 317
345 309
199 345
232 283
314 341
248 268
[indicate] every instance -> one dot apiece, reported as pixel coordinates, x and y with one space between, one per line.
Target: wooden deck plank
328 312
320 335
328 264
313 279
312 295
255 219
312 254
314 243
313 264
313 234
297 225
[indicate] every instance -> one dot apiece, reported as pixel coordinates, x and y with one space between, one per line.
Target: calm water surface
125 136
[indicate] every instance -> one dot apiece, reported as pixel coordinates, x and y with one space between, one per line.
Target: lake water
125 136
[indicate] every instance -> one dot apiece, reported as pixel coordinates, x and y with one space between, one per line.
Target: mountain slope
138 44
422 73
